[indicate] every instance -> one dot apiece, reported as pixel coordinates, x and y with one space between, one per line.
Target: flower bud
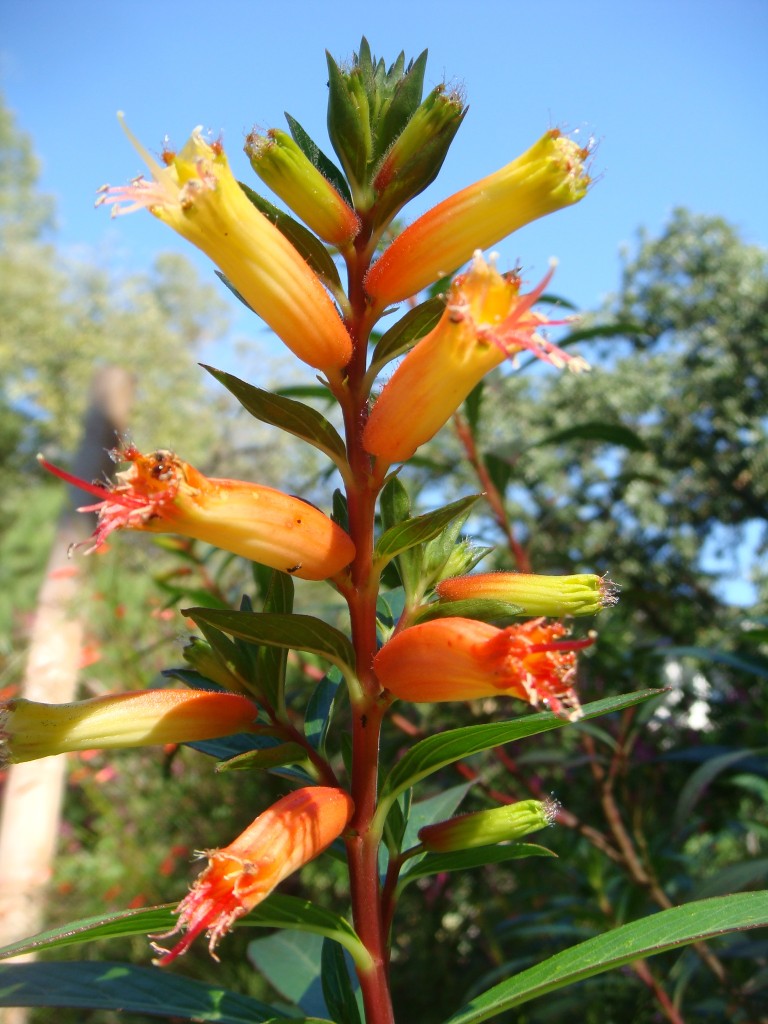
282 165
208 662
486 828
416 156
549 176
486 320
198 196
552 596
31 730
463 659
161 494
292 832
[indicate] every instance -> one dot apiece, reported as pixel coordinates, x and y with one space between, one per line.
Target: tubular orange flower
486 320
198 196
161 494
463 659
31 730
555 596
549 176
238 877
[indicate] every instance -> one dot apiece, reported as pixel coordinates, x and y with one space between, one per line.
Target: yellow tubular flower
198 196
549 176
238 877
554 596
486 320
31 730
159 493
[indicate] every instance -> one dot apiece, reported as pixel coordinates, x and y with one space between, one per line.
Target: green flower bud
486 828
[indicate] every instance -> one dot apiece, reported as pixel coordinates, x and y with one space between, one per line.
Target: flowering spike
292 832
485 828
549 176
31 730
463 659
485 321
159 493
197 195
553 596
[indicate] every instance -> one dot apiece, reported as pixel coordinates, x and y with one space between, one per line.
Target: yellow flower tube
159 493
31 730
197 195
549 176
553 596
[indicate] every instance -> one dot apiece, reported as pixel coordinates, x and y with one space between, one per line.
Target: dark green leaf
294 417
754 666
324 164
337 987
697 783
295 632
406 332
499 470
127 989
611 433
466 860
420 529
290 960
471 608
340 512
665 930
320 710
306 244
434 752
394 503
472 405
277 755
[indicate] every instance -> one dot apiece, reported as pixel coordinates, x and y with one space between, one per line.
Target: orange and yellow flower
159 493
292 832
549 176
463 659
31 730
197 195
553 596
486 320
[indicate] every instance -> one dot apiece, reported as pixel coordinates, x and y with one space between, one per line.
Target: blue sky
673 90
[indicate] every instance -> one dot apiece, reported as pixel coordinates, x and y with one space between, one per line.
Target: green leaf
712 654
466 860
305 243
657 933
612 433
337 988
294 417
697 783
499 470
470 608
295 632
319 711
290 961
275 756
324 164
394 503
422 528
473 404
406 332
435 752
435 808
128 989
143 921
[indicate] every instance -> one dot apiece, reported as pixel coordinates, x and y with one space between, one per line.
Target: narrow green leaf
290 961
754 666
275 756
319 711
499 470
657 933
406 332
466 860
295 632
422 528
294 417
324 164
128 989
697 783
473 404
470 608
337 988
305 243
612 433
434 752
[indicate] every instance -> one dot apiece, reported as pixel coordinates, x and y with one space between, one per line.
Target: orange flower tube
549 176
281 840
463 659
31 730
486 320
161 494
197 195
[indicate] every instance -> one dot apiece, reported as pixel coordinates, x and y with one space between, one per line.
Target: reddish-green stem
368 707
